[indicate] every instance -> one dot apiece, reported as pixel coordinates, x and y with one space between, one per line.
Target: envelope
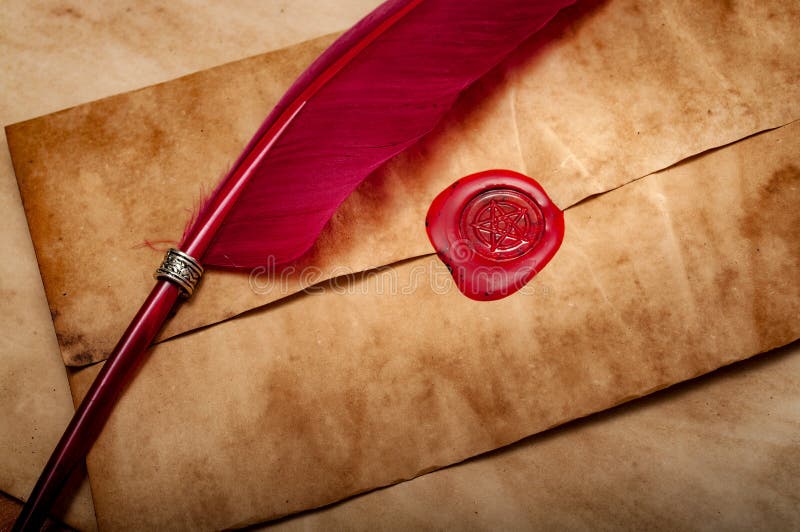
354 341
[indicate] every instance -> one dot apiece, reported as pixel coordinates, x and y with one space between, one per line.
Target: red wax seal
494 231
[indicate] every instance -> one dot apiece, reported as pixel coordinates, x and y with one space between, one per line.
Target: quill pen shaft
94 410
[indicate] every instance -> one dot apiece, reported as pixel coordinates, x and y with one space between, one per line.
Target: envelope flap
608 93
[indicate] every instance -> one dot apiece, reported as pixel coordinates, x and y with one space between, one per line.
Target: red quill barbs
377 90
214 213
362 105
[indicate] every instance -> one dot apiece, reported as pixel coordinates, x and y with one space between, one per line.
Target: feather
378 89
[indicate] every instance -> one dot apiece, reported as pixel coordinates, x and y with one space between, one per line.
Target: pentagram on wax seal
494 230
501 224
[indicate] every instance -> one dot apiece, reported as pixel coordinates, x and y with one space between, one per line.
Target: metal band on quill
181 270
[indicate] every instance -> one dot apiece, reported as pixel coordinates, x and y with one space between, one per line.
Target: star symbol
502 225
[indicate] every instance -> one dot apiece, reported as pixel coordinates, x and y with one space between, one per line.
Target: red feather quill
378 89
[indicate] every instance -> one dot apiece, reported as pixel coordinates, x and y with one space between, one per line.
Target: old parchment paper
609 92
364 383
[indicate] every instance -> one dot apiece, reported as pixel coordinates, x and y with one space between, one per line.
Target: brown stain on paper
777 195
761 223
